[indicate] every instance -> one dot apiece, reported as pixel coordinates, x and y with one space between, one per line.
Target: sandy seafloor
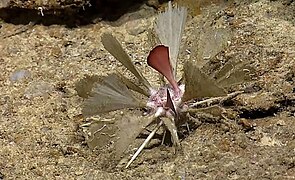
40 117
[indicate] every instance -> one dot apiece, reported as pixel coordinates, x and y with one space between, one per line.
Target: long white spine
169 28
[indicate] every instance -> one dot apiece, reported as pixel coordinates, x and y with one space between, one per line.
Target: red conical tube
159 60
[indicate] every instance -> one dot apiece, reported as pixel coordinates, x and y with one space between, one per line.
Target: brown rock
52 4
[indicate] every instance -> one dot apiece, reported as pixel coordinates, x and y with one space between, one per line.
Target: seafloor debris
19 75
166 106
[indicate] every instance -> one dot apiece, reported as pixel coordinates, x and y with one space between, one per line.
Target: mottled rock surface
47 4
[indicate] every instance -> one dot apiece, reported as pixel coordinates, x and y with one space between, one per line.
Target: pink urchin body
158 100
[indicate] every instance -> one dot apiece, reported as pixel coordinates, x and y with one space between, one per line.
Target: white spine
169 28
